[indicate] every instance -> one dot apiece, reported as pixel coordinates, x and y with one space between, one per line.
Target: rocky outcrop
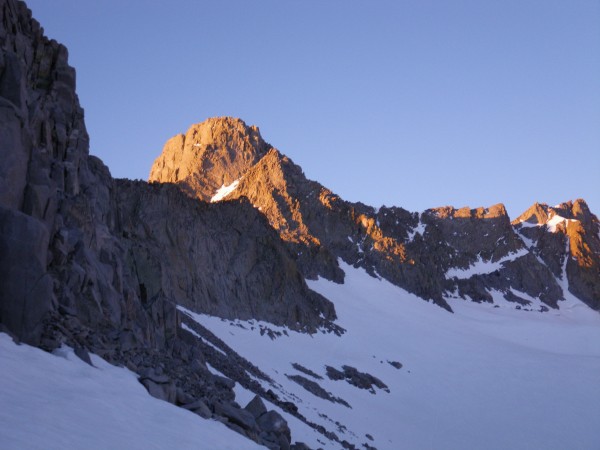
443 252
478 252
356 378
566 239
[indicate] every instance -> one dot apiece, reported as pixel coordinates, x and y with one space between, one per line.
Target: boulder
256 407
236 415
272 422
199 407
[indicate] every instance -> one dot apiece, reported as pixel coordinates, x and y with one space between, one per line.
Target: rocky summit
228 227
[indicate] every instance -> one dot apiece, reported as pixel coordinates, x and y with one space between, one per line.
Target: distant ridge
437 254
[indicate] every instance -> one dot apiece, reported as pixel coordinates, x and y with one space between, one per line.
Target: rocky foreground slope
439 253
107 266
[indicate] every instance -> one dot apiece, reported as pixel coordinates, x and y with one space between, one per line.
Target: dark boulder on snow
162 391
299 446
273 424
237 416
356 378
199 407
83 354
395 364
256 407
314 388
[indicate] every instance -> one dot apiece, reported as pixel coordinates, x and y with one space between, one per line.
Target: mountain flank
437 254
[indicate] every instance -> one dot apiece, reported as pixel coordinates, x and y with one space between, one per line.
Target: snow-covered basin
483 377
58 402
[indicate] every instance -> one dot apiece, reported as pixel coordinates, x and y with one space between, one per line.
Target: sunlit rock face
439 253
566 238
221 149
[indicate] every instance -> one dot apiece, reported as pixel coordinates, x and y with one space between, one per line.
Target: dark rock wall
43 153
223 259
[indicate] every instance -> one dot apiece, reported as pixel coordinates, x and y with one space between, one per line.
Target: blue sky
409 103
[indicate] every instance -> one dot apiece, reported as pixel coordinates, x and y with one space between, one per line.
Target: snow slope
483 377
59 402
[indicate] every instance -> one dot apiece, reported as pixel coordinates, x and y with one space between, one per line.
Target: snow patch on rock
481 267
224 191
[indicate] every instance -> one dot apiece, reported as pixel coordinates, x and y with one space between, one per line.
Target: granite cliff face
437 254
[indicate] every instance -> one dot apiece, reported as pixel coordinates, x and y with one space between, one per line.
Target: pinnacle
211 154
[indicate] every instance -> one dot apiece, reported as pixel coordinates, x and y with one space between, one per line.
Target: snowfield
58 402
483 377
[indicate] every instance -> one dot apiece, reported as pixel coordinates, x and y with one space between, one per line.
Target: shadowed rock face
434 254
43 158
222 259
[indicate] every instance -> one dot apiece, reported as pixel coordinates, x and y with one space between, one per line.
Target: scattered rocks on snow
396 364
356 378
236 415
303 369
314 388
